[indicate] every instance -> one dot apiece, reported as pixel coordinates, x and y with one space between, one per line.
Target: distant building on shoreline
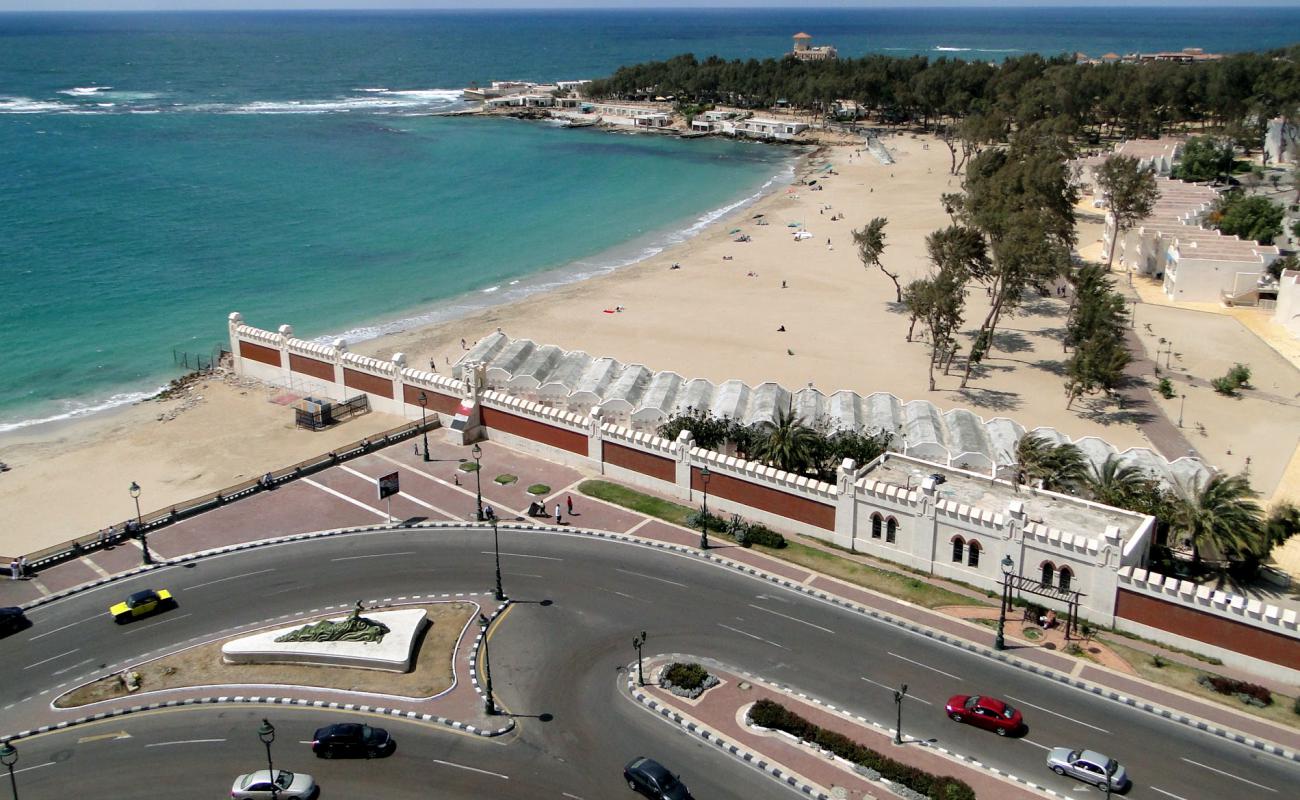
805 51
1188 55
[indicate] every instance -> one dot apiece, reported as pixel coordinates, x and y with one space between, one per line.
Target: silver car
1088 766
288 786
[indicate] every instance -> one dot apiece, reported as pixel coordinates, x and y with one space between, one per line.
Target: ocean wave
72 409
26 105
943 49
611 260
84 91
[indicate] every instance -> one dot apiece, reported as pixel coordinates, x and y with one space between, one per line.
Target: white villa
631 116
1159 154
805 51
766 128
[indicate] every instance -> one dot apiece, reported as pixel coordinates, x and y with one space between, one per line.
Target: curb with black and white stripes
484 627
1100 691
789 690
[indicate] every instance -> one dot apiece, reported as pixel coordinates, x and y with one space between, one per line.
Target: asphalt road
560 661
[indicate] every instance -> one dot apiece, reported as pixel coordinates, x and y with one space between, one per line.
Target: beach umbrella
757 216
733 230
793 224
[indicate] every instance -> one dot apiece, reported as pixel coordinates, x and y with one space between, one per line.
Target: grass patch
1183 677
506 479
1032 634
539 489
642 503
467 466
1211 660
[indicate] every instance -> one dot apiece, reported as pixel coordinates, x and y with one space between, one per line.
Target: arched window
973 556
1049 572
958 549
891 530
876 519
1063 578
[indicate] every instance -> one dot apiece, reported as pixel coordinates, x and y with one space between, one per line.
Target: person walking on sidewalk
568 504
558 519
13 565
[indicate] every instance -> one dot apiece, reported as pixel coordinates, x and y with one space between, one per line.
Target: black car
12 620
652 779
351 740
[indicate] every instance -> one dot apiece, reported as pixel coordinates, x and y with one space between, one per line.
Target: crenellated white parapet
971 515
638 439
761 473
1212 601
537 411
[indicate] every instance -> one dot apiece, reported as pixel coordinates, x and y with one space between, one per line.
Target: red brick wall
1209 628
259 352
639 461
437 402
366 382
562 438
773 501
311 366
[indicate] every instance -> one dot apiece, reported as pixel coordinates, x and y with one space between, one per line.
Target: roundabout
559 662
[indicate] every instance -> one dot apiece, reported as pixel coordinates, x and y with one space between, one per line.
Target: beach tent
793 224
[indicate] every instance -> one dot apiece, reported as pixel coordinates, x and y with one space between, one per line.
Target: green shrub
1165 388
1224 386
1158 661
539 489
711 521
758 533
771 714
1296 706
1239 374
687 676
1249 693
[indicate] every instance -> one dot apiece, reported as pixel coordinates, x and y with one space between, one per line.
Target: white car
1088 766
288 786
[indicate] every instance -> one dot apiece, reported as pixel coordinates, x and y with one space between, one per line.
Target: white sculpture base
392 654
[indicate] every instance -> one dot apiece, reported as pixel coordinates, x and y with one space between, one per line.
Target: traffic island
429 652
721 715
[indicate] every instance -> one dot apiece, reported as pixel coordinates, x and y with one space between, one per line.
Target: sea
160 170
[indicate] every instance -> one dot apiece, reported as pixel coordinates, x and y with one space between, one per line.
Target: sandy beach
717 316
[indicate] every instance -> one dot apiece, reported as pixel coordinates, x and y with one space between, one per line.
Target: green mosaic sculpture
355 628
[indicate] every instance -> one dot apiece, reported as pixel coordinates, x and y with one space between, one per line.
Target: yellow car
141 604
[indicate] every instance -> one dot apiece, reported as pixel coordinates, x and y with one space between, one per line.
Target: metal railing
161 518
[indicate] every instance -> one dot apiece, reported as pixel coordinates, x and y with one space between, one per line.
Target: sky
206 5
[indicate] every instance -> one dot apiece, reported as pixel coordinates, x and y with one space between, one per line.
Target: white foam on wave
84 91
943 49
26 105
375 100
73 409
611 260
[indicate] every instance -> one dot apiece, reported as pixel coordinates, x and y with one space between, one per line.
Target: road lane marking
792 619
1036 744
1167 794
374 555
184 741
894 689
156 624
233 578
1055 714
471 769
570 796
1230 775
352 500
71 668
35 766
651 577
523 575
521 555
51 658
924 666
65 627
752 636
101 737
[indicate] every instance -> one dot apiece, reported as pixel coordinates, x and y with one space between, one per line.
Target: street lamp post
424 403
638 642
488 706
266 732
704 515
496 549
477 452
9 757
1182 401
139 524
1000 642
899 694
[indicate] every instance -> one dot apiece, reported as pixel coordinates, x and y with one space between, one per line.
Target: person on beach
463 346
558 519
783 284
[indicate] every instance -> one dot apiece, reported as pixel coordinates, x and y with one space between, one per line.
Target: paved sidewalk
722 711
437 490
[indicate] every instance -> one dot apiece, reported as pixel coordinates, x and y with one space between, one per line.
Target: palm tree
785 443
1221 519
1116 483
1032 454
1056 467
871 246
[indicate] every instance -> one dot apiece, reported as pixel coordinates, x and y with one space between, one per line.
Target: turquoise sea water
158 171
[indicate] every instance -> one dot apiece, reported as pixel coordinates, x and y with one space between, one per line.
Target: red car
985 712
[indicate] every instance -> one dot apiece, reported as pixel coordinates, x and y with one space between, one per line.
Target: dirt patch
202 666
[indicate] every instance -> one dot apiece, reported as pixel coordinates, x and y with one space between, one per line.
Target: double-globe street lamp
704 514
424 403
638 642
488 706
999 641
496 549
477 452
139 524
899 694
266 732
9 757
